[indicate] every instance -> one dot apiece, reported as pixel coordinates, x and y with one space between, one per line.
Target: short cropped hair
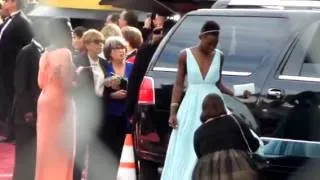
133 36
211 26
114 42
92 35
131 18
111 30
58 32
79 31
114 18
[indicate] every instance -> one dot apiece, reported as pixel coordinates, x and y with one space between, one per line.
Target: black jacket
15 36
90 107
85 78
223 134
141 64
26 86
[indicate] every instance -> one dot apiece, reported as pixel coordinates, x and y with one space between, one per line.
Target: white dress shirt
98 76
8 22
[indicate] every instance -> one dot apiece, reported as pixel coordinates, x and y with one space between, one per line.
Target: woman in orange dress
56 122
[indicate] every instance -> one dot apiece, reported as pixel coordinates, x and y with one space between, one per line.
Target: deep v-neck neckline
203 77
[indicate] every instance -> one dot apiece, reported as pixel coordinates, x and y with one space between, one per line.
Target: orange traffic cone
127 168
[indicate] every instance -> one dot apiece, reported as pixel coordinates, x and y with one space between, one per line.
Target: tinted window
311 64
244 40
305 57
293 148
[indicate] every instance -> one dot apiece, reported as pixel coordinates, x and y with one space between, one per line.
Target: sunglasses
98 41
118 47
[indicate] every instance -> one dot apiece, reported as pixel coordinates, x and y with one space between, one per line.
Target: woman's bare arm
179 84
221 86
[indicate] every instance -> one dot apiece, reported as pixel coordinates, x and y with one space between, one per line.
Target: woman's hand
173 122
120 94
113 82
246 94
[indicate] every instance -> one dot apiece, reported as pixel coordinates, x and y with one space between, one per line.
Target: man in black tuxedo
15 33
26 96
25 110
143 58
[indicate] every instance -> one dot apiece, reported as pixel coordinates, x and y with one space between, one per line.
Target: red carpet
6 161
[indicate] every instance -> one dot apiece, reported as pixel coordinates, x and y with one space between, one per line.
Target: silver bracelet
174 104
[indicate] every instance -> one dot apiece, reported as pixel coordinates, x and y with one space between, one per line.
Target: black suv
276 50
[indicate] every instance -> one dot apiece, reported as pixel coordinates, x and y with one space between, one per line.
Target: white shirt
98 76
8 22
101 55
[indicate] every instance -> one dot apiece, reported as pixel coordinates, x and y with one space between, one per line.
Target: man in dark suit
26 96
143 58
25 110
15 33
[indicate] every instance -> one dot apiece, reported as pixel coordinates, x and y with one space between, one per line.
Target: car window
244 40
311 63
292 148
304 59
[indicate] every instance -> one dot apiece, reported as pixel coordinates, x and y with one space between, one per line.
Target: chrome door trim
236 73
288 140
299 78
165 69
227 73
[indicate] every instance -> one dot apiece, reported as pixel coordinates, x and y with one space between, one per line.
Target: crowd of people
69 95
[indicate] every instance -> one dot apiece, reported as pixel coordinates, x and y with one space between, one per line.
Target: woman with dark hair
56 123
202 66
117 124
59 33
221 145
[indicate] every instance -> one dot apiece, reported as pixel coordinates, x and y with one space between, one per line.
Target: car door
298 75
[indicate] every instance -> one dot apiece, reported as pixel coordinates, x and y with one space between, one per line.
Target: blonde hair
111 30
91 35
133 36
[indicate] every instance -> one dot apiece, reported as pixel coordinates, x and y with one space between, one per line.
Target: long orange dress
56 121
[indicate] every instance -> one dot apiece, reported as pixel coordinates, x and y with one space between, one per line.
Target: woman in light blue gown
202 66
